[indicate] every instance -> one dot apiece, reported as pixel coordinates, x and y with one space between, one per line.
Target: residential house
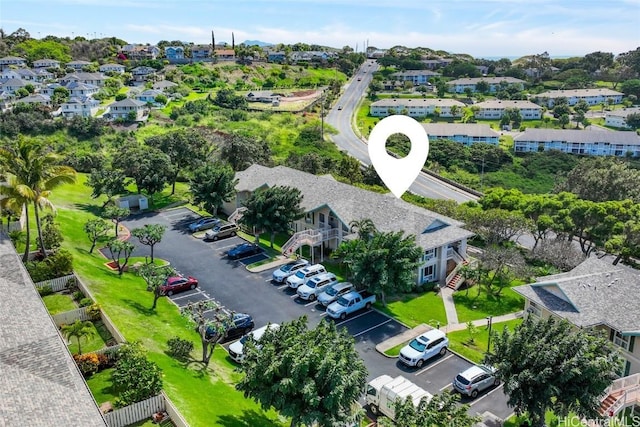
618 118
576 141
6 101
12 61
46 63
9 73
149 96
163 85
484 70
201 52
36 99
83 106
225 55
594 295
331 206
43 74
143 74
79 89
376 53
392 85
96 79
113 68
573 96
26 74
464 133
417 77
277 56
173 53
263 96
417 107
494 109
77 65
41 383
495 83
12 85
122 109
140 52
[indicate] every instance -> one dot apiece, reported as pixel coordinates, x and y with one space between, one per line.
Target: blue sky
481 28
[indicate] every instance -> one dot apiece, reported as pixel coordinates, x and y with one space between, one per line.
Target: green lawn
459 340
473 307
415 309
100 386
88 344
59 303
128 304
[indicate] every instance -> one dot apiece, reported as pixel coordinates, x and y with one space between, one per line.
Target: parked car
316 285
242 325
350 303
424 347
289 269
237 347
334 292
384 391
221 230
475 380
176 284
305 274
243 250
204 223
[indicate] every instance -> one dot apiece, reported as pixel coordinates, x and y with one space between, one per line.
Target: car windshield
311 285
287 268
417 345
343 301
332 292
216 228
300 275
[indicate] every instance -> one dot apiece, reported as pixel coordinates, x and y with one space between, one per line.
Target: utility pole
322 117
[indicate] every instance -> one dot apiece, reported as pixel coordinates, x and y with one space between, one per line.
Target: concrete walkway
449 305
280 260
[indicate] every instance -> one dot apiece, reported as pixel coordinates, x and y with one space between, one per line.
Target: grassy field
415 309
459 341
474 307
91 343
101 387
59 303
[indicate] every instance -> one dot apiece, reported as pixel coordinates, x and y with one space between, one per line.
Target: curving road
340 117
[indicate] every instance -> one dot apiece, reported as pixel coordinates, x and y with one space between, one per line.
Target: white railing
630 387
57 284
135 412
71 316
622 383
309 237
236 215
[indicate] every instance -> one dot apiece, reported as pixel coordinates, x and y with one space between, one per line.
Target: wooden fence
57 284
69 317
136 412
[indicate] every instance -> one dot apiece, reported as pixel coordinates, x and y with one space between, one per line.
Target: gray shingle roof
595 292
39 382
578 92
351 203
420 102
452 129
490 80
624 112
577 135
496 103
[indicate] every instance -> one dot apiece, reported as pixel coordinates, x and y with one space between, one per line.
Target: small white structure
133 202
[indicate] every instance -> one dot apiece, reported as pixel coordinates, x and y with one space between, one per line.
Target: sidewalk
280 260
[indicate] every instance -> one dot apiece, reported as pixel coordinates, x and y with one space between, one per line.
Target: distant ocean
511 58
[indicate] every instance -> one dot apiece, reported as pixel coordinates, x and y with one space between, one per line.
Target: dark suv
242 325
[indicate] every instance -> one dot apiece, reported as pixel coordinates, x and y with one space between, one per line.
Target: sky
481 28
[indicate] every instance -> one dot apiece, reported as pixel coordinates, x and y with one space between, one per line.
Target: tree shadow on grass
195 366
93 209
147 311
248 418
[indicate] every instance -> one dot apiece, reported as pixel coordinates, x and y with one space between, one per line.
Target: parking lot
231 284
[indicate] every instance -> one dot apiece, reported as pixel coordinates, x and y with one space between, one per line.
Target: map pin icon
398 174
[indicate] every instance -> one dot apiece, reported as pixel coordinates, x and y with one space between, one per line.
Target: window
621 341
429 253
321 217
534 309
429 273
309 218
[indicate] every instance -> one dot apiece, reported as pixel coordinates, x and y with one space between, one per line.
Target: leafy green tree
33 49
135 377
149 167
505 265
313 376
496 226
150 235
227 98
60 95
116 214
185 148
563 120
212 185
631 87
79 330
211 327
51 235
441 410
155 276
38 171
16 198
383 264
95 229
551 365
273 210
483 87
350 168
107 181
633 120
241 152
120 252
364 227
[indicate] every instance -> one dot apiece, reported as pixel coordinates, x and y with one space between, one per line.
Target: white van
305 274
236 348
316 285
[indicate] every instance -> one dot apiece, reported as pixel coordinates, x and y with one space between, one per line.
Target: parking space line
310 303
224 247
434 365
353 318
485 395
294 296
268 280
190 295
445 387
281 287
372 328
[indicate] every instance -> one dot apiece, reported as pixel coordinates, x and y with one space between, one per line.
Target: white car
316 285
236 349
289 269
334 292
424 347
305 274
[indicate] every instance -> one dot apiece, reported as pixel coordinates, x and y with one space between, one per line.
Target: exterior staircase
455 279
236 215
621 394
308 237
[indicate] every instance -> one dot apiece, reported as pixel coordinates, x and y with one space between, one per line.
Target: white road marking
190 295
446 387
485 395
281 287
372 328
314 302
353 318
434 365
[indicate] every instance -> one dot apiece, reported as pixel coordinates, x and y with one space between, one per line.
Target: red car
178 284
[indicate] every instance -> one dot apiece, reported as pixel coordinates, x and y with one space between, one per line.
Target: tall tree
383 264
273 210
185 148
79 330
311 375
241 152
116 214
150 235
505 264
39 170
364 227
155 276
550 365
95 229
441 410
496 226
149 167
211 327
120 253
107 181
16 198
212 185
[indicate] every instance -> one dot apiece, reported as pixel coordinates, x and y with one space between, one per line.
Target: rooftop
577 136
490 80
496 103
423 102
453 129
578 92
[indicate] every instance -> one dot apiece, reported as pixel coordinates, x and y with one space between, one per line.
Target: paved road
346 139
229 283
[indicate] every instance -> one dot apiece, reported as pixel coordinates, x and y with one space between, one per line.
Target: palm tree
365 228
39 171
16 197
78 330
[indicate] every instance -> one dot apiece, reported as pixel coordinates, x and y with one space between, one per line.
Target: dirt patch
302 93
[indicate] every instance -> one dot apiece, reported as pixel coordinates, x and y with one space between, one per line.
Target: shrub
58 264
135 378
88 363
45 290
93 311
179 348
72 285
85 302
78 295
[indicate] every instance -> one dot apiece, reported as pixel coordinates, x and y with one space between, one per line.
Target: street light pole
489 324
